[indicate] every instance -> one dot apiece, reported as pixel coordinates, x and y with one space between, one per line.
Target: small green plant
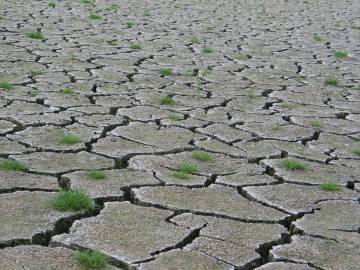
86 2
130 24
189 72
36 72
315 123
98 175
72 200
52 4
331 81
166 72
34 93
91 259
184 170
207 50
174 117
317 37
167 100
35 35
356 87
114 7
70 139
94 16
355 26
195 40
357 152
112 43
2 18
12 165
293 164
330 186
135 46
67 91
6 85
341 54
202 156
147 13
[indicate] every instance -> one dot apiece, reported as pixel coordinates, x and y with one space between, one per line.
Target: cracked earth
145 86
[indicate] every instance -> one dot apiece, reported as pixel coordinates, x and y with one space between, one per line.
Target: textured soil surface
226 133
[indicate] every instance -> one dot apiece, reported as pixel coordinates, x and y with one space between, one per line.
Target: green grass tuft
130 24
195 40
293 164
341 54
6 85
135 46
330 186
34 93
357 152
91 259
35 35
174 117
184 170
207 50
67 91
52 4
147 13
12 165
72 200
317 37
36 72
315 124
333 82
167 100
166 71
86 2
70 139
202 156
98 175
94 16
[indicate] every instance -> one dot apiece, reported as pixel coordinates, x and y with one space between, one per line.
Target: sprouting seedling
67 91
52 4
36 35
167 100
166 72
97 175
341 54
174 117
94 16
91 259
130 24
135 46
330 186
332 82
317 37
4 85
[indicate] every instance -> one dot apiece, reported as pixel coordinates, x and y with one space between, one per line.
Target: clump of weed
4 85
184 170
202 156
12 165
174 117
98 175
135 46
167 100
147 13
207 50
332 82
52 4
130 24
86 2
166 72
315 123
330 186
35 35
357 152
341 54
67 91
34 93
91 259
36 72
94 16
317 37
71 200
70 139
195 40
189 72
293 164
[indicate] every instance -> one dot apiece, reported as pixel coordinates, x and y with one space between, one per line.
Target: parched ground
228 133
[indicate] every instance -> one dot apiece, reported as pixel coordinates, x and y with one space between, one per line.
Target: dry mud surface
144 85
